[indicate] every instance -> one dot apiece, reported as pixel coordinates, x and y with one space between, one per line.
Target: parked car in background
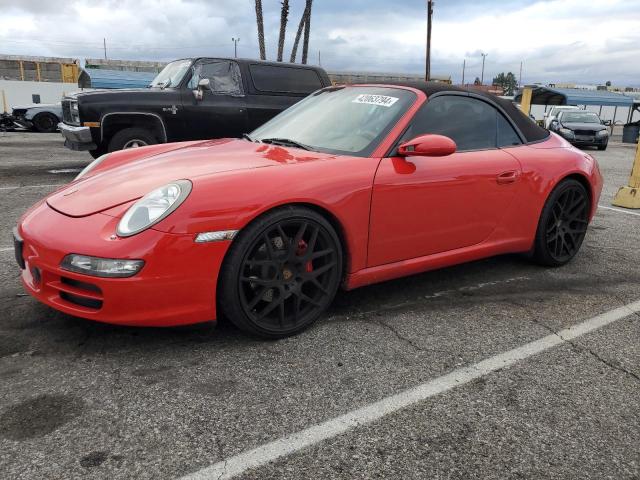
582 128
552 114
38 117
190 99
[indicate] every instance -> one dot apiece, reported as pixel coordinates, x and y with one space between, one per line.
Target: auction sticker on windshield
369 99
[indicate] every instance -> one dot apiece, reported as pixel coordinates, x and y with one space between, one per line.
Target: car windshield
172 74
580 117
342 120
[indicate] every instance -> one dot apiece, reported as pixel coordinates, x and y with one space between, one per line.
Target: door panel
427 205
222 111
262 108
215 116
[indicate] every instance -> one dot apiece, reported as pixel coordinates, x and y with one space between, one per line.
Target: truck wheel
45 122
131 138
98 152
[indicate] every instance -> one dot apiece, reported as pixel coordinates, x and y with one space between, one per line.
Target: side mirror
428 146
203 84
606 122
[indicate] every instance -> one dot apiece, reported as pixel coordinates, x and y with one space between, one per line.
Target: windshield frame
413 98
184 76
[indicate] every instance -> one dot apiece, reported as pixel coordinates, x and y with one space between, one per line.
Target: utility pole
104 44
520 78
235 46
484 55
429 15
464 66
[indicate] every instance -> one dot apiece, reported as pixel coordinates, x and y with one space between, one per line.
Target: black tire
602 147
563 224
98 152
268 287
131 137
45 122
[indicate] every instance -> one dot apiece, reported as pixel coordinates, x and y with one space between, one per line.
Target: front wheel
131 138
281 273
563 224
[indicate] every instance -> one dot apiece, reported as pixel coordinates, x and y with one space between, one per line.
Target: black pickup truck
190 99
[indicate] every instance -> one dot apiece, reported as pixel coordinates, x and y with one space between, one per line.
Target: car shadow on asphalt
36 329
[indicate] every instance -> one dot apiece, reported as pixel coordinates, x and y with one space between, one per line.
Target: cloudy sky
583 41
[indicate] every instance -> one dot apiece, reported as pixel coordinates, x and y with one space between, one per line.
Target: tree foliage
507 81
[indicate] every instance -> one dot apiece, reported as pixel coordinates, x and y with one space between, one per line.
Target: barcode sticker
381 100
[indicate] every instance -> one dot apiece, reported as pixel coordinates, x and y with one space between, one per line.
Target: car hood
592 127
36 105
138 177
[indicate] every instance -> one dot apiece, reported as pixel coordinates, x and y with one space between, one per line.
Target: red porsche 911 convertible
351 186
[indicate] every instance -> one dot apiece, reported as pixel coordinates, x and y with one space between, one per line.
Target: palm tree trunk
307 30
259 20
303 19
284 15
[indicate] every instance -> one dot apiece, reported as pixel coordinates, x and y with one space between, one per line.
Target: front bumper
586 140
77 138
177 285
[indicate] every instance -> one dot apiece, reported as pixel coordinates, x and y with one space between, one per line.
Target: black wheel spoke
317 272
321 253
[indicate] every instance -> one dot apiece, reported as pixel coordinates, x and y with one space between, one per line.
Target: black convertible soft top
530 130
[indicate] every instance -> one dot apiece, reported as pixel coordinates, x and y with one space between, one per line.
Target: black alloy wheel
563 224
281 274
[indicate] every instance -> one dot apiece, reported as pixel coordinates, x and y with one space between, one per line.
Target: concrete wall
17 92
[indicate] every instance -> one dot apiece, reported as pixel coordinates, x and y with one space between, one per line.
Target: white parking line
619 210
33 186
7 249
233 466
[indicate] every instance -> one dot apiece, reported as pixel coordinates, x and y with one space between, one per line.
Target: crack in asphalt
398 335
580 348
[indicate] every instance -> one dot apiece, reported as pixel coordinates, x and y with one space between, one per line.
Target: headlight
75 113
602 133
153 207
92 165
101 267
566 132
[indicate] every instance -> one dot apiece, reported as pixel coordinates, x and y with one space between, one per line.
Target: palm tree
284 15
303 20
307 30
259 20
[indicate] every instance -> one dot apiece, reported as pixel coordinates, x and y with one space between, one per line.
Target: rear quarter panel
544 166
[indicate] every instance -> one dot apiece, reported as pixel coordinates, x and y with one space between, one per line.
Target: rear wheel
281 273
45 122
563 224
131 138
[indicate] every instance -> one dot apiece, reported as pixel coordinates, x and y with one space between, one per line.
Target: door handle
507 177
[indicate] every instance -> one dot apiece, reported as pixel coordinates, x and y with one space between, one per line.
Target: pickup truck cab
190 99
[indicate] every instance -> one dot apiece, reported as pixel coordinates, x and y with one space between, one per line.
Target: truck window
223 75
276 79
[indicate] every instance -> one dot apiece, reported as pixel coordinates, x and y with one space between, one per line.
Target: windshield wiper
285 142
246 136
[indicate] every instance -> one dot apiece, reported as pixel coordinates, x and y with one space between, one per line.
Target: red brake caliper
302 249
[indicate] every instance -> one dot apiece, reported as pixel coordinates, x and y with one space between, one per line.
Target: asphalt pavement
85 400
